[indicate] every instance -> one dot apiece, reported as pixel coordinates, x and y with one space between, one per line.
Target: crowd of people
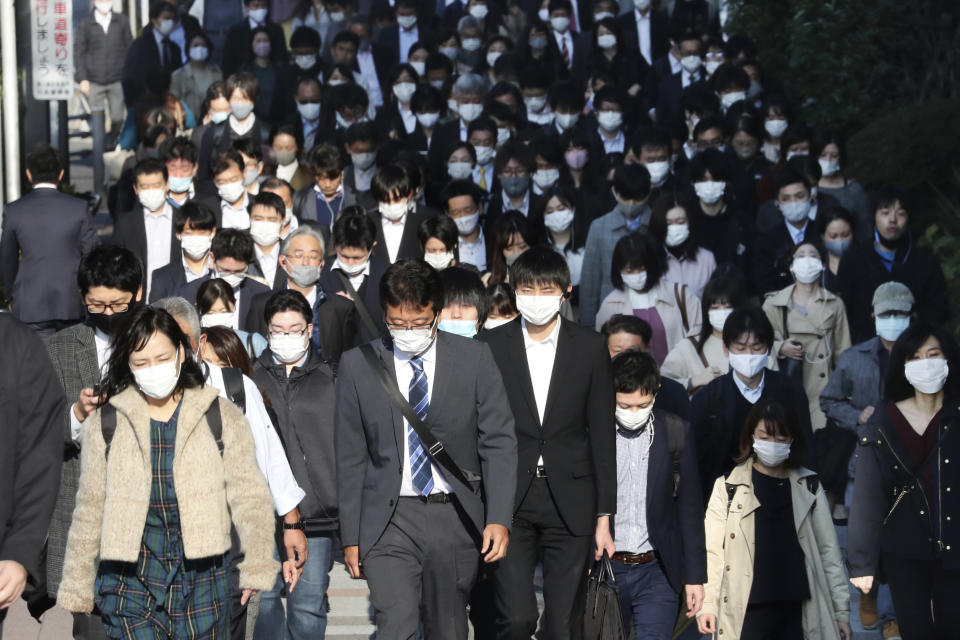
447 292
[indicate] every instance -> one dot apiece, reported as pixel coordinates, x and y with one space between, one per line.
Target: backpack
233 386
675 442
108 425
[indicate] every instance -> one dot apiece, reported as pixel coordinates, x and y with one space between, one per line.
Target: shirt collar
274 253
45 185
430 355
243 203
524 206
551 340
751 395
166 213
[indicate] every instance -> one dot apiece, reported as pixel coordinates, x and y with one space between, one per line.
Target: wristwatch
287 526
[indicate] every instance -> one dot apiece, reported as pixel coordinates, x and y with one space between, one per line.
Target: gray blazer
45 233
74 355
854 385
469 414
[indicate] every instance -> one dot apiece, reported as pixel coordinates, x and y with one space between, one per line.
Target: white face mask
775 127
770 453
560 24
479 11
265 233
566 120
471 44
166 27
419 66
503 135
607 41
718 317
460 170
641 5
535 104
677 234
305 62
218 117
806 269
427 120
363 161
711 66
890 327
727 100
152 199
407 22
404 91
609 120
160 380
196 246
414 341
217 320
439 261
690 63
470 111
199 54
232 279
492 57
633 420
394 211
710 191
635 281
232 191
289 349
829 167
103 7
600 15
493 323
539 310
467 224
748 364
545 178
484 154
658 171
927 375
795 212
352 269
558 220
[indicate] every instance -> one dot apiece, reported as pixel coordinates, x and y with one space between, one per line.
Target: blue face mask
180 184
465 328
890 327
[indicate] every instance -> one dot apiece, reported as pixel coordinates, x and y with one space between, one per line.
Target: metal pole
63 138
11 103
132 14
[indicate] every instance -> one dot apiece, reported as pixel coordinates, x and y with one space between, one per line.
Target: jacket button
820 356
823 375
948 489
739 506
733 535
724 598
948 518
922 512
720 632
391 503
895 467
948 547
728 567
946 461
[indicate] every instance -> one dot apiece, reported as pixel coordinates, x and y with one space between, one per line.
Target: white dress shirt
796 234
190 275
104 351
237 218
751 395
524 207
643 34
561 38
355 280
544 117
268 262
675 65
363 177
242 129
159 230
404 370
286 171
687 78
103 19
616 145
487 174
540 357
368 69
407 40
474 253
409 119
392 234
271 458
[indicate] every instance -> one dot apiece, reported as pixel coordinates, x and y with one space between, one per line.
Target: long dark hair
897 387
132 335
780 421
658 222
726 285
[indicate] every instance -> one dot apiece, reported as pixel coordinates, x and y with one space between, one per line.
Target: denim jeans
306 615
647 599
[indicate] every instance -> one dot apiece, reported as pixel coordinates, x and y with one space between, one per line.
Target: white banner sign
51 36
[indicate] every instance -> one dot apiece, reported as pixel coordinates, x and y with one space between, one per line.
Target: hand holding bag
601 620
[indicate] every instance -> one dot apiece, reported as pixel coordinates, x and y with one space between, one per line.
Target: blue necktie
421 472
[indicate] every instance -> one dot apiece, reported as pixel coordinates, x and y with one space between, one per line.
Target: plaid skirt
164 595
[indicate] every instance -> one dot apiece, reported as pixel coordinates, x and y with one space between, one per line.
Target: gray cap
892 296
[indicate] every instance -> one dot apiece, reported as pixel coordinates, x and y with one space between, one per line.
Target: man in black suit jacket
398 216
45 233
232 254
469 89
719 410
195 226
237 51
148 229
654 22
152 48
670 89
334 317
659 532
558 379
413 526
397 38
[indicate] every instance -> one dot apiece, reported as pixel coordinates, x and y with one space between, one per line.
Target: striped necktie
421 471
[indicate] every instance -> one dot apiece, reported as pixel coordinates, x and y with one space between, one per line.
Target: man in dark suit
719 410
31 431
670 89
652 23
558 378
110 283
195 226
237 51
354 236
322 201
152 48
398 38
334 317
45 233
470 91
406 522
397 218
148 229
659 532
266 224
232 254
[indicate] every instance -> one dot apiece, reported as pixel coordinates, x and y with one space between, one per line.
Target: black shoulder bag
358 303
788 366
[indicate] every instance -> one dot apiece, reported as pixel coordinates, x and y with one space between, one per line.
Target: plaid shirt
164 594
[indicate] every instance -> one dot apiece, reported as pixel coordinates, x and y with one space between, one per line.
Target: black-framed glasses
99 307
299 333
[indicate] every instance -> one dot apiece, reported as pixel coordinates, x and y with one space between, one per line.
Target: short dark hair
199 215
245 81
457 188
514 150
361 132
666 202
631 181
233 243
132 335
248 147
464 287
354 228
779 419
213 290
305 36
326 160
442 228
538 266
501 299
112 267
887 196
178 148
729 76
44 164
271 200
727 285
272 184
635 370
897 386
638 250
287 300
411 283
391 181
633 325
786 177
709 161
224 161
148 167
228 348
747 320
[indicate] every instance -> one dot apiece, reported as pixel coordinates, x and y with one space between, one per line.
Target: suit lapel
441 374
386 361
562 362
518 352
141 234
87 357
659 455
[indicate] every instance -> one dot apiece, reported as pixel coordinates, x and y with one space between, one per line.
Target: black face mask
109 323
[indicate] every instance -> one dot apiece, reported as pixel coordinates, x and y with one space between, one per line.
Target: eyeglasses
416 327
293 332
99 307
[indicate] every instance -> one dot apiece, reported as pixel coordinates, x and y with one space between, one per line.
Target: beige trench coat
824 333
730 547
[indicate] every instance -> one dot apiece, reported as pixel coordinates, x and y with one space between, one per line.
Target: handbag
788 366
601 619
833 445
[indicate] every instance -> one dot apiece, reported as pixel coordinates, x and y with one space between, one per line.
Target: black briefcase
601 619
